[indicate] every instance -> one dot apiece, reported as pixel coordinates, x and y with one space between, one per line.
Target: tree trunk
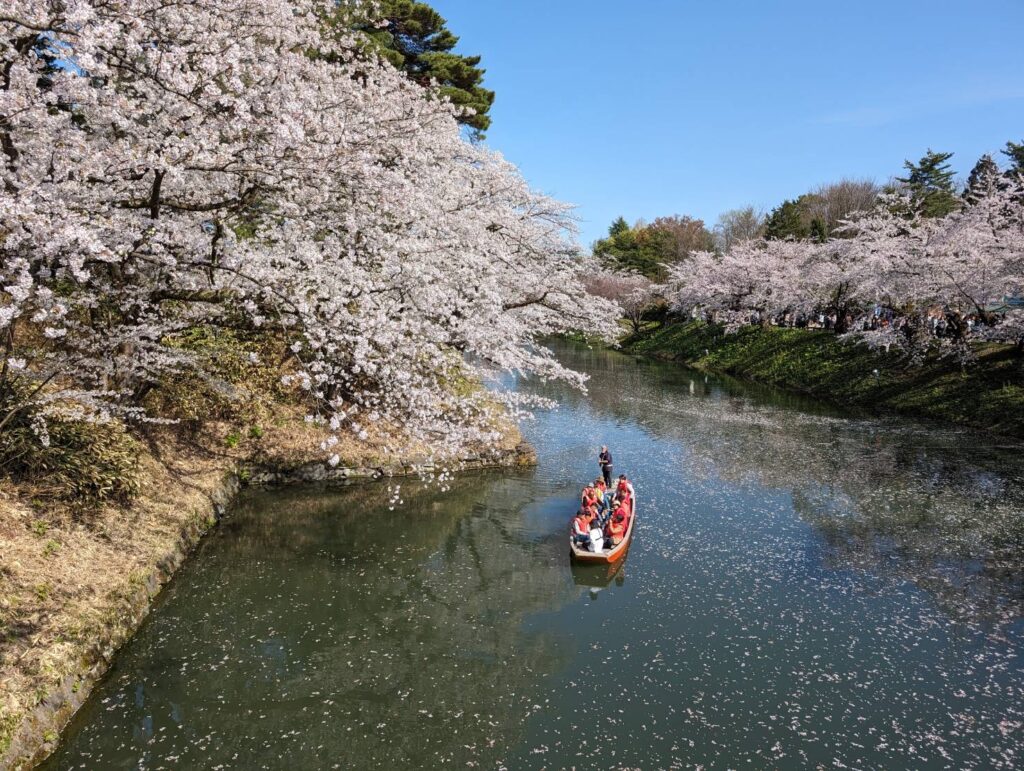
841 327
957 324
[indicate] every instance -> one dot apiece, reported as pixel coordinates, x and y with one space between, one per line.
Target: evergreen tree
820 214
647 249
984 179
930 182
1015 152
788 220
627 250
818 230
417 41
618 227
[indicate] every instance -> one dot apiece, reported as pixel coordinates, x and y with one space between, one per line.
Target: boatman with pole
604 460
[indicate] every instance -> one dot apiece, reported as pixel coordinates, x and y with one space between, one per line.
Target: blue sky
657 107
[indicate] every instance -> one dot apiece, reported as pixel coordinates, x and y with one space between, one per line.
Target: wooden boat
613 554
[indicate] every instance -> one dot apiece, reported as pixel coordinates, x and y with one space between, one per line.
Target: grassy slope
989 393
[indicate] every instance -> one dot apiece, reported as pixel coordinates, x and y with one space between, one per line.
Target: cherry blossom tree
752 282
635 294
168 165
962 265
954 272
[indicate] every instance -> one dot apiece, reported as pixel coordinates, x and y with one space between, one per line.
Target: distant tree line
927 266
927 189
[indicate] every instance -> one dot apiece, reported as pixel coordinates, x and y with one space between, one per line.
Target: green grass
988 393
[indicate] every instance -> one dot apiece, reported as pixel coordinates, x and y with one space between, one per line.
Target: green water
806 588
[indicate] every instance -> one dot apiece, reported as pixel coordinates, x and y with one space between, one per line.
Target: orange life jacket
617 528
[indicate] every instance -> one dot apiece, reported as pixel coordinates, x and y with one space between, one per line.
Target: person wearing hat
604 497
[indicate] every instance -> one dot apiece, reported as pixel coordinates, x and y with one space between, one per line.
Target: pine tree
417 41
647 249
984 179
618 227
930 182
788 220
1015 152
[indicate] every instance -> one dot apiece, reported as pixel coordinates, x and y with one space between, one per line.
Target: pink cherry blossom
195 164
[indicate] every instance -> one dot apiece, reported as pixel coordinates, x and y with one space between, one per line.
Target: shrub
234 375
79 462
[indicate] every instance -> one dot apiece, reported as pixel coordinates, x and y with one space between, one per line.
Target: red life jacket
617 527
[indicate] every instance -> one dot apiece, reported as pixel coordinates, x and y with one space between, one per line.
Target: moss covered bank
986 393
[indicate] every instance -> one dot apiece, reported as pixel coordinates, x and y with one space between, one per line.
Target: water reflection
599 576
941 507
806 588
331 627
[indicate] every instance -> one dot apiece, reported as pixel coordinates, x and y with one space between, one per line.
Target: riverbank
987 393
76 586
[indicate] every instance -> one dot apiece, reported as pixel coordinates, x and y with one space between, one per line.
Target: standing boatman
604 460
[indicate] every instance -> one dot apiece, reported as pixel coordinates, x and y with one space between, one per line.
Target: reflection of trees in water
935 506
886 504
930 545
382 638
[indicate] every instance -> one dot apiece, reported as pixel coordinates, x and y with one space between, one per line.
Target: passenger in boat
589 498
615 530
581 527
604 498
624 486
621 500
625 505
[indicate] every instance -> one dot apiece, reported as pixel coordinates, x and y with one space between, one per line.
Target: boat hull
609 555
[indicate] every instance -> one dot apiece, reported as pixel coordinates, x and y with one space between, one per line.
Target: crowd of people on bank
602 519
936 322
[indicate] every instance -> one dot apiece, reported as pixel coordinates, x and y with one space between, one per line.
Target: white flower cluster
168 165
965 270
